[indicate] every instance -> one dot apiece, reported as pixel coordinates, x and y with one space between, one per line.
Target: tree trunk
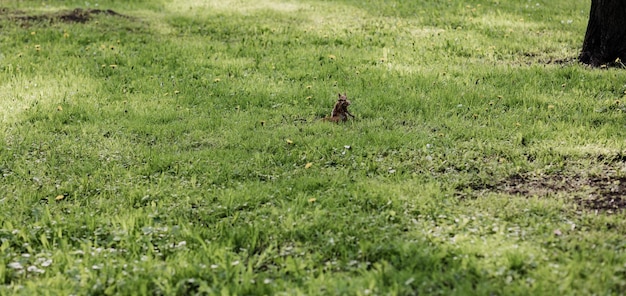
605 40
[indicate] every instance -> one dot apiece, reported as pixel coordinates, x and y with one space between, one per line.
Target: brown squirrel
340 111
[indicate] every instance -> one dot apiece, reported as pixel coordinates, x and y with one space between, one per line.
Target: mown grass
166 152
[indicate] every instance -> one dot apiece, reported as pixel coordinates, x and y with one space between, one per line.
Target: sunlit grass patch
40 94
238 6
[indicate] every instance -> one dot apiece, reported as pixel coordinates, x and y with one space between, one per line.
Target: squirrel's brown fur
340 111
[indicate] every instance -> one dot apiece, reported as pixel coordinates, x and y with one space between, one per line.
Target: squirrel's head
343 99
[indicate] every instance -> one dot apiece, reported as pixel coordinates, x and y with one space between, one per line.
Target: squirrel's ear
339 95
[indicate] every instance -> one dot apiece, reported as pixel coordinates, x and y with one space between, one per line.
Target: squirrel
340 111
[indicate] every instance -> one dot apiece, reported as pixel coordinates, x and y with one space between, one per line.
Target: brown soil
77 15
563 61
595 193
603 193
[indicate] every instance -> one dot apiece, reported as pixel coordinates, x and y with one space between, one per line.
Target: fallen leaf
557 232
59 197
308 165
289 141
59 108
312 199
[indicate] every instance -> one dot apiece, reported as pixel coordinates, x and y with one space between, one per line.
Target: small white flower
15 265
236 262
214 266
46 262
34 268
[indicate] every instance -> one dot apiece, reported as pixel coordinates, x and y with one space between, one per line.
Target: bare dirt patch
531 58
594 193
77 15
603 190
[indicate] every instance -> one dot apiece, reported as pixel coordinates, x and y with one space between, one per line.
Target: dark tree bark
605 40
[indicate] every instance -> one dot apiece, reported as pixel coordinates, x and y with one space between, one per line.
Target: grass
166 152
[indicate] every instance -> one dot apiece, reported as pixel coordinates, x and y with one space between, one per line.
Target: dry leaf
557 232
308 165
312 199
59 108
59 197
289 141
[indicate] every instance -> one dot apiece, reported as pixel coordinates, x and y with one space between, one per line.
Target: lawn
176 148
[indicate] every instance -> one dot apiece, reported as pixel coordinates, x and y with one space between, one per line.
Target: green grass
164 137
